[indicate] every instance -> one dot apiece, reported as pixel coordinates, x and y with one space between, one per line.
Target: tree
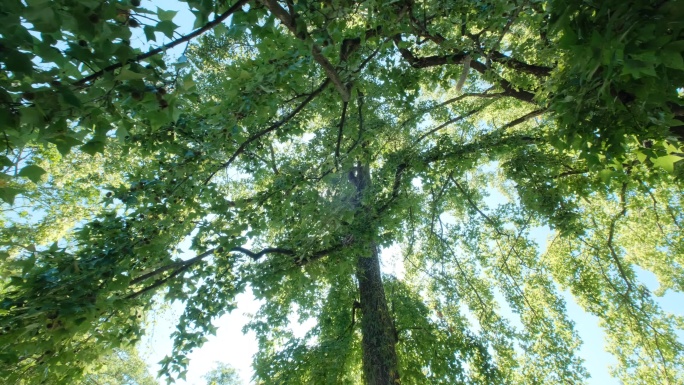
299 139
223 374
122 367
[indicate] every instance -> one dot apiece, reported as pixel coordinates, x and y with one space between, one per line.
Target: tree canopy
222 374
293 140
121 367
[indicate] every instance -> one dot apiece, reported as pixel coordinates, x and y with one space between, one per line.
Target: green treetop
222 374
295 140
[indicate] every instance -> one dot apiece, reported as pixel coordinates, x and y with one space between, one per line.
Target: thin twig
452 121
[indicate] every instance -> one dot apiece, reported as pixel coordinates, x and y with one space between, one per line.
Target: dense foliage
293 140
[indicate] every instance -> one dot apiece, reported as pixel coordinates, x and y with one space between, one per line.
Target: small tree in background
223 374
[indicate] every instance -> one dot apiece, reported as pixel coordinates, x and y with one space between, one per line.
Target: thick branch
517 65
570 172
508 88
269 129
218 20
485 142
340 132
522 119
291 23
359 106
432 61
159 282
304 259
268 250
184 264
179 267
395 186
459 58
177 264
492 54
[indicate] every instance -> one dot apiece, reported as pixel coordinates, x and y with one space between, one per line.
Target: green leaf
93 147
667 162
201 18
165 15
672 59
167 27
126 74
149 33
671 148
7 194
187 83
64 143
675 46
44 19
121 133
69 97
9 119
18 62
641 156
607 175
637 69
33 172
220 29
5 161
158 118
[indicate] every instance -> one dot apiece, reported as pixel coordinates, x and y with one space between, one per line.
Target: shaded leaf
33 172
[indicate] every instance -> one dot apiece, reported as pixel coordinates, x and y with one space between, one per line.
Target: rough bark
377 327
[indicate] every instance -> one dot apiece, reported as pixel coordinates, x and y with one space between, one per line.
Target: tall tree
121 367
222 374
295 140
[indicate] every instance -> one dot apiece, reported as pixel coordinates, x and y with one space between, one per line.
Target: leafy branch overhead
294 141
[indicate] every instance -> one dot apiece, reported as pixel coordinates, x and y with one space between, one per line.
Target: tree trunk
377 327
